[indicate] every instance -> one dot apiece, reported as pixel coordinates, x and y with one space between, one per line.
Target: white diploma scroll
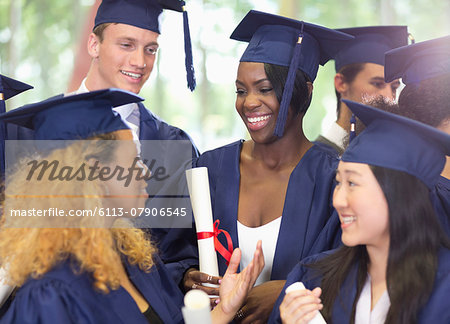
198 184
5 290
318 319
196 308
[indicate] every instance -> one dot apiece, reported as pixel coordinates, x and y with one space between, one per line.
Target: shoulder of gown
58 297
437 309
154 128
63 296
440 197
301 272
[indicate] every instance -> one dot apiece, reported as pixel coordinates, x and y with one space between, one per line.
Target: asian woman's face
361 205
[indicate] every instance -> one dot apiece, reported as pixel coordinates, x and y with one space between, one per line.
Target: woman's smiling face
361 205
256 101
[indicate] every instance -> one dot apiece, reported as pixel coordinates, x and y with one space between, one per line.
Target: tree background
42 42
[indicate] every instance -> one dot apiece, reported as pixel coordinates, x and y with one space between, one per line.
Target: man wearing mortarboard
123 47
360 75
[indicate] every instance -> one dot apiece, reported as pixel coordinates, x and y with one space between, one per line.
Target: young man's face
368 83
124 59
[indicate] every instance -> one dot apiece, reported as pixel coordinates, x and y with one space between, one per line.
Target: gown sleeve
301 272
47 301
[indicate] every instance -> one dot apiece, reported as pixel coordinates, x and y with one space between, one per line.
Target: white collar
336 134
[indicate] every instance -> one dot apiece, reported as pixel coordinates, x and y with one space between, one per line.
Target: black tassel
289 87
190 73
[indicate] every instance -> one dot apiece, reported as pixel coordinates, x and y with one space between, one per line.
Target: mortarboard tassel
352 128
190 73
289 86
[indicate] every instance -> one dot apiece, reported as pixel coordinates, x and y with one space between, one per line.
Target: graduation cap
145 14
370 44
287 42
419 61
8 89
73 117
396 142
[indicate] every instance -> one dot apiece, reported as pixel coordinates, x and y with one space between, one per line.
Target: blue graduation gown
61 296
177 246
436 309
328 146
440 197
309 224
153 128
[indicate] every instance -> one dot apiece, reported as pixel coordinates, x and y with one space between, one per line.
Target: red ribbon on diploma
225 252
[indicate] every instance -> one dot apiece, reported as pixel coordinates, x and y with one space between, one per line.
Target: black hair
428 101
349 72
415 239
277 75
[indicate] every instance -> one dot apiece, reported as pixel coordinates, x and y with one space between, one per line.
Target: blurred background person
425 70
360 75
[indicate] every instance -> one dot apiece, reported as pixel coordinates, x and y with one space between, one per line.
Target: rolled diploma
318 319
196 307
198 184
5 290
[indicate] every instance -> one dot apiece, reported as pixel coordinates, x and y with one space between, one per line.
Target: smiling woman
361 204
277 186
394 265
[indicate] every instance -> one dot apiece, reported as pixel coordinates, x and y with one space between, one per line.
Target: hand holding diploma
301 305
207 278
196 308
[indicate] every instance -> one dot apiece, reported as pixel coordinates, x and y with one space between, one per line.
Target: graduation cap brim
329 40
398 143
397 33
12 87
368 114
24 115
418 61
175 5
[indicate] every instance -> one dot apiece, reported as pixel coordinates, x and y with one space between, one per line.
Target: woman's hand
235 286
300 306
194 279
